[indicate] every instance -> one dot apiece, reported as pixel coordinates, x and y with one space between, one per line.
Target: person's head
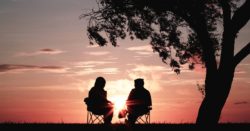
100 82
139 83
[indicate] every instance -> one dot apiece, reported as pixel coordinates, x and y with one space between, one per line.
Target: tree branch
241 17
241 54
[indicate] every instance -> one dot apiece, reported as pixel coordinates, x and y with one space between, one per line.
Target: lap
138 112
100 110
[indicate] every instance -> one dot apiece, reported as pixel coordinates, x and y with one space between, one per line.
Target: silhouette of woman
98 102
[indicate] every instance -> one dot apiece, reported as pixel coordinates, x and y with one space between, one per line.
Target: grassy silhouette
120 127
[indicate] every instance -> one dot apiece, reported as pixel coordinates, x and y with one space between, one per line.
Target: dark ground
122 127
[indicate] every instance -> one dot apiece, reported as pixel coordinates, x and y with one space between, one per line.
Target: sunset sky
47 68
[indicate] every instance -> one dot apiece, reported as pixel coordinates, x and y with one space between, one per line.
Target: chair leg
92 118
143 119
87 117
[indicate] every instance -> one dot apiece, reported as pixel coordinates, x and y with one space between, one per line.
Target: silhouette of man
97 101
138 102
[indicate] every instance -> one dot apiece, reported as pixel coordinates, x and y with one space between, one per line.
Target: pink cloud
98 53
14 68
88 71
240 102
141 48
45 51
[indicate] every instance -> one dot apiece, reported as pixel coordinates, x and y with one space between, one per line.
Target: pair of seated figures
138 102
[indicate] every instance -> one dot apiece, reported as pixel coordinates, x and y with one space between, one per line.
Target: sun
119 102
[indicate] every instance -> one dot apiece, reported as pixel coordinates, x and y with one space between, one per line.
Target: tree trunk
218 81
213 103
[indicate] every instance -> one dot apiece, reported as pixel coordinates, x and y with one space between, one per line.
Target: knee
131 116
111 108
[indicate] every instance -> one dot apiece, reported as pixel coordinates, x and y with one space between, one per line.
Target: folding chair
94 118
144 119
91 117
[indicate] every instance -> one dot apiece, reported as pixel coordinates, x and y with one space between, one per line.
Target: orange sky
47 68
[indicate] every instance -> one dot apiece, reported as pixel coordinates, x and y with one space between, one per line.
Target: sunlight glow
119 102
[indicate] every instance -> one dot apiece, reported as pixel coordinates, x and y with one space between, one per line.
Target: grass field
121 127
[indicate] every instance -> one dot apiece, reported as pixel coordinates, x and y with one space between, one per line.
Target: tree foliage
170 35
169 25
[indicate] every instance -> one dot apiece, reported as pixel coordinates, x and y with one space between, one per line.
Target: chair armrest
86 100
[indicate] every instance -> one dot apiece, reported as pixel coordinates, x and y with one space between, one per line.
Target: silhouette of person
139 101
97 101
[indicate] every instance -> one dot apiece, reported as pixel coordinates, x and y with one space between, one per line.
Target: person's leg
134 114
108 115
132 118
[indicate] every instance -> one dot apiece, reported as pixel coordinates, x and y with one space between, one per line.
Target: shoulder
93 89
146 91
103 92
132 91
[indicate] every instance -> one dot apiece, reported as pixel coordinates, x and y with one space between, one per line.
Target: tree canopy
170 25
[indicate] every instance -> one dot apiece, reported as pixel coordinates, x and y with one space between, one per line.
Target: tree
182 32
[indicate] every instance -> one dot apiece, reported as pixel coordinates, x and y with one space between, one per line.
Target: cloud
119 87
93 46
240 72
144 68
92 67
240 102
152 75
98 53
84 86
244 64
44 51
111 58
155 76
140 56
12 68
144 53
183 82
95 62
87 64
88 71
141 48
152 80
152 68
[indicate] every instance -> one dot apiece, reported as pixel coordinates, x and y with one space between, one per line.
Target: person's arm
128 102
149 100
150 103
109 102
106 99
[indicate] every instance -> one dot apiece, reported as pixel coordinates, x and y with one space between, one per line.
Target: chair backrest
92 118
